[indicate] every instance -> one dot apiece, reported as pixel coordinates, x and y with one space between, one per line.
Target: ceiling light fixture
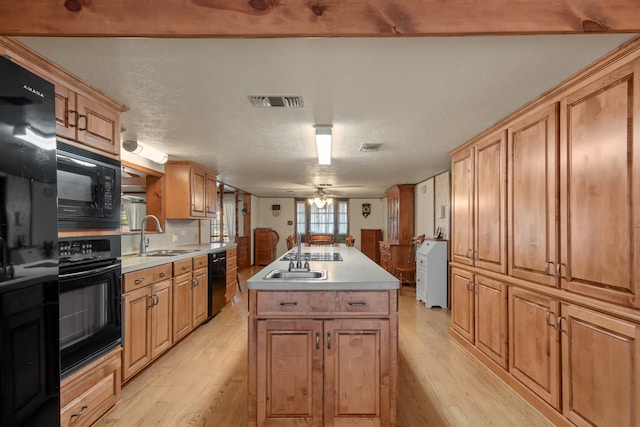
323 144
320 199
145 151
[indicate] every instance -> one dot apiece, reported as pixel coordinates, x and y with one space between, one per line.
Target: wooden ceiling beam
322 18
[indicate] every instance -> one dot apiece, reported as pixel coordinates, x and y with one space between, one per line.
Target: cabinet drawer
147 276
322 303
200 261
232 252
184 266
85 398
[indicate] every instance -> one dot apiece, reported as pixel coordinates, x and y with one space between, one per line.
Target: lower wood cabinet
199 297
232 274
182 301
88 393
323 358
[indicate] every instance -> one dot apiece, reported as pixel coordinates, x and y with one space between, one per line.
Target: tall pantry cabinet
544 256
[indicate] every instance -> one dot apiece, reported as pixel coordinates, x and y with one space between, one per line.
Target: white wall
424 208
443 199
357 222
265 218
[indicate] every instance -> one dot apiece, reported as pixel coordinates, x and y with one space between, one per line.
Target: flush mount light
145 151
323 144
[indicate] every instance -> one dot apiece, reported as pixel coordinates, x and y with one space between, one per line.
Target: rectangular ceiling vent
370 148
288 101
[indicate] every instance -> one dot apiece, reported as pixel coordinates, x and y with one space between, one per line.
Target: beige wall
266 219
424 208
357 222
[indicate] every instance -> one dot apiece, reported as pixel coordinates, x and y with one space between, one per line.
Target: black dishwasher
217 282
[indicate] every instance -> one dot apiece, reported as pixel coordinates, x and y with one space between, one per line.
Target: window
332 219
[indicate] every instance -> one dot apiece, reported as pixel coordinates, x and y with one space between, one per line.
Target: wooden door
198 195
199 304
462 304
161 337
491 319
600 188
462 207
533 189
490 205
289 373
181 306
137 330
98 126
211 193
357 371
534 350
66 112
599 369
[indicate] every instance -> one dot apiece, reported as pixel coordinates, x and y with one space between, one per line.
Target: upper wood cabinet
400 214
189 191
479 204
533 188
83 113
600 187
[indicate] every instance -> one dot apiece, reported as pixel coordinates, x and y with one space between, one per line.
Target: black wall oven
88 189
90 299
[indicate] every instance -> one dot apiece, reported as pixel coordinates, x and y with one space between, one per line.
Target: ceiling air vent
288 101
370 148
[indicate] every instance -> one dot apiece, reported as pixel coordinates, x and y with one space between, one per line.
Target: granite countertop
356 272
132 262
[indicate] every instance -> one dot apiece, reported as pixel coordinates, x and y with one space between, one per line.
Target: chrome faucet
145 242
298 266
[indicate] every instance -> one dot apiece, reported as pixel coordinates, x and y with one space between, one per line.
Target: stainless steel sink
296 275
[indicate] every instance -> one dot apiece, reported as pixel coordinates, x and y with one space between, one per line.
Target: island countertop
355 272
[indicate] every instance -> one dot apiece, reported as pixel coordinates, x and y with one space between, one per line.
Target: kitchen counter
132 262
355 272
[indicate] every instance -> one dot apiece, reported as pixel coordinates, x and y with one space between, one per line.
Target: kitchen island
323 352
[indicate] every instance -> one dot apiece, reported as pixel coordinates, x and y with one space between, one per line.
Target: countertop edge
132 263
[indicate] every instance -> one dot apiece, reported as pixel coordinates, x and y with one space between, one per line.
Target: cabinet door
490 207
66 113
393 211
161 337
534 351
181 306
289 373
357 373
600 188
491 319
462 304
533 146
199 308
599 369
198 184
137 330
211 193
462 208
98 126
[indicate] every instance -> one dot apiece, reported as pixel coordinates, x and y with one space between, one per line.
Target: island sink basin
296 275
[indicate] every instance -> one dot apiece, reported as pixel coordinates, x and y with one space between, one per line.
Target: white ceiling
420 97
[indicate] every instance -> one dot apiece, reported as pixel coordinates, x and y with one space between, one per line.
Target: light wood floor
203 380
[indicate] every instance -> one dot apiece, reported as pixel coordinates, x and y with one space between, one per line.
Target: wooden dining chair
291 242
320 240
406 274
350 240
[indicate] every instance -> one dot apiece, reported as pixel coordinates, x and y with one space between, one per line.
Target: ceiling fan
320 198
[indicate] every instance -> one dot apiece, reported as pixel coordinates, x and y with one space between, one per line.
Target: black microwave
88 189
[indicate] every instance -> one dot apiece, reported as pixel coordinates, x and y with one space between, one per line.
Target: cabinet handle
475 254
469 253
288 304
72 123
84 409
163 273
80 117
138 281
317 340
549 314
560 324
559 270
357 304
328 340
184 267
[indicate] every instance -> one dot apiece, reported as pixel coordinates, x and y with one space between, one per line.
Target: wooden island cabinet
544 271
324 357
